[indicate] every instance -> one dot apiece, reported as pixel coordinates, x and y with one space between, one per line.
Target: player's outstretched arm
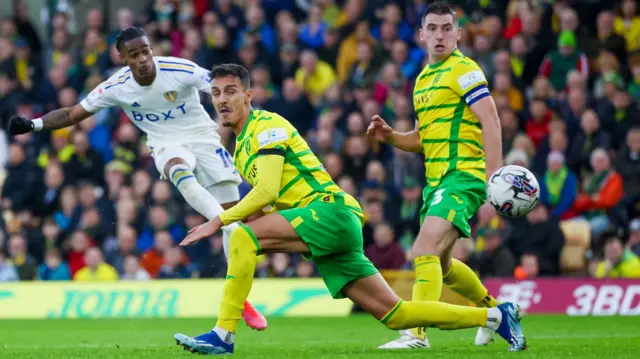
406 141
485 110
64 117
263 193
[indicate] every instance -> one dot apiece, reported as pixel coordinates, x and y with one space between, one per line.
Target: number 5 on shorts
437 196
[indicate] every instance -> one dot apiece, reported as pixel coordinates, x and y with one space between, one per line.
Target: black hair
441 8
128 34
232 70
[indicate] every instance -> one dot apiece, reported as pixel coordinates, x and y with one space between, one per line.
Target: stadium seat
577 238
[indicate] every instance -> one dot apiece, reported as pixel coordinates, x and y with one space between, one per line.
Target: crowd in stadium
87 203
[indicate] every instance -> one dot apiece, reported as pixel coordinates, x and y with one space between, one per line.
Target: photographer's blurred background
86 203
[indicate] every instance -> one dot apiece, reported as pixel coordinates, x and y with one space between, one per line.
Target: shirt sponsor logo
272 135
471 78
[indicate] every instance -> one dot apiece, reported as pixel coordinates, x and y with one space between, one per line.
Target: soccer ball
513 191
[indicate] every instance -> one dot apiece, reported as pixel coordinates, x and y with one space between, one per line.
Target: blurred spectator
627 163
96 269
173 267
293 105
85 163
281 265
385 253
528 268
116 253
78 246
618 262
314 77
558 64
312 32
133 269
589 137
600 193
159 220
538 125
53 268
8 272
24 262
634 236
626 115
502 86
495 260
607 38
559 187
627 24
47 197
21 181
538 233
510 128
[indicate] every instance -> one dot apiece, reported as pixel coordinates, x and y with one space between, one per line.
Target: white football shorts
211 164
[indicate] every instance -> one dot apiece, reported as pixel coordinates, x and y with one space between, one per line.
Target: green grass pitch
352 337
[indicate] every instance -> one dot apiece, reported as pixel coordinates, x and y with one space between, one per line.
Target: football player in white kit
161 96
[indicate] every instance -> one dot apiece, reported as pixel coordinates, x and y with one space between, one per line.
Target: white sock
224 335
198 198
494 318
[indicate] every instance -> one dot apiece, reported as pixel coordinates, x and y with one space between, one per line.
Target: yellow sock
243 250
434 314
428 286
462 280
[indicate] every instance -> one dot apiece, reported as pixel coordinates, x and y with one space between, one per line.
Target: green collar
246 125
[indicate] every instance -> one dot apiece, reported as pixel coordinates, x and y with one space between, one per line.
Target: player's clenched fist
19 125
379 129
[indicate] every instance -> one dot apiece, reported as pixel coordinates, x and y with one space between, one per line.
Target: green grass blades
299 338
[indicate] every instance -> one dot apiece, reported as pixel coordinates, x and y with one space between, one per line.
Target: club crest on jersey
171 96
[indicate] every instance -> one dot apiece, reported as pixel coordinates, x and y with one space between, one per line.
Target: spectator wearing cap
589 137
314 77
495 260
600 193
559 187
626 116
627 163
619 262
607 63
557 64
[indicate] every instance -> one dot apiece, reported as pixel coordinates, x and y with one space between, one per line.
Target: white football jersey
169 110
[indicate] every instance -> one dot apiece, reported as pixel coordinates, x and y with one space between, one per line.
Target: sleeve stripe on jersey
476 94
272 151
118 83
177 63
176 70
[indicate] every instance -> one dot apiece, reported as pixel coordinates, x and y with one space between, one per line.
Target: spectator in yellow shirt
314 77
619 262
96 268
627 25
